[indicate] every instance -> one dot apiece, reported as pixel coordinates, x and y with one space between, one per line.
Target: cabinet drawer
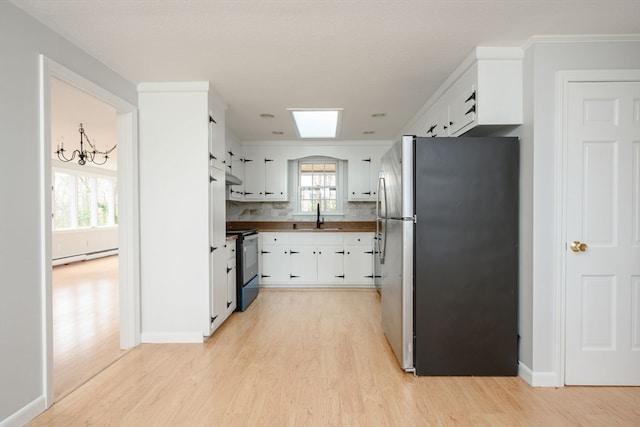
275 238
355 239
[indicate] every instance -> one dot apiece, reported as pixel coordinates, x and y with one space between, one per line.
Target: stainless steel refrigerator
447 254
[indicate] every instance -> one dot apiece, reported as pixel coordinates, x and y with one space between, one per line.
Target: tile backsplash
283 211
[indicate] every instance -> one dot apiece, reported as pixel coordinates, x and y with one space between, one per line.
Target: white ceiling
365 56
69 108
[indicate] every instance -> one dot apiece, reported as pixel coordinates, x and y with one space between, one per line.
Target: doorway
601 230
128 219
85 304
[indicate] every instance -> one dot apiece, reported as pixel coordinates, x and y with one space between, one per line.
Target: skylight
316 123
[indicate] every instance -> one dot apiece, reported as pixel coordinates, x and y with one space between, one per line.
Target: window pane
62 200
104 199
305 206
306 180
83 195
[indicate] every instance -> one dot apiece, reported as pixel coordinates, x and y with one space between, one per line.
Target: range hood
232 179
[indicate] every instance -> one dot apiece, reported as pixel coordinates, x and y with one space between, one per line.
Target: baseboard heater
84 257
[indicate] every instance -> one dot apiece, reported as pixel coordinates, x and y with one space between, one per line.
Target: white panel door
603 234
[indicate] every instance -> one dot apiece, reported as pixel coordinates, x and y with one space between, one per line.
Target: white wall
77 245
545 57
22 263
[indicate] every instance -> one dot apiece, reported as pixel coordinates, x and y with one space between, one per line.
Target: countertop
305 226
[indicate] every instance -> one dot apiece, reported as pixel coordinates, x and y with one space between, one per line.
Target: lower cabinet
316 259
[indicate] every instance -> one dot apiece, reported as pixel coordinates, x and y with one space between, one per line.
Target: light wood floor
316 358
86 321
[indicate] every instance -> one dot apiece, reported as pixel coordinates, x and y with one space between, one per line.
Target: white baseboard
538 379
171 337
25 414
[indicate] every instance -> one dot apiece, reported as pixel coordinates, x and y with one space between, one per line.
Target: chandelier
84 156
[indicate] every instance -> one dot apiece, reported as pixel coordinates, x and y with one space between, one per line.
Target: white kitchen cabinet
217 146
316 259
275 262
483 93
358 259
182 213
265 178
363 168
231 300
236 192
303 262
331 264
219 255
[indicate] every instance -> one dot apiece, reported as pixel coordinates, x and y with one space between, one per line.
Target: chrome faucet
319 221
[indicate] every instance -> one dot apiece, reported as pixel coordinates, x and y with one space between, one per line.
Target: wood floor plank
86 321
316 358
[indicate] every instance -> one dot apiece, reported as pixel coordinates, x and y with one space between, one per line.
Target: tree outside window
81 201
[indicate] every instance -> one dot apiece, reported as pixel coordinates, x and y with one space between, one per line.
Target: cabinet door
275 179
330 265
358 265
359 178
236 192
254 176
231 277
274 264
304 264
217 151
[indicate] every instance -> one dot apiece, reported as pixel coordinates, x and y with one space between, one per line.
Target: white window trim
340 185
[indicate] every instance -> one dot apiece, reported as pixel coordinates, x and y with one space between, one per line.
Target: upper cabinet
363 167
217 150
265 177
483 93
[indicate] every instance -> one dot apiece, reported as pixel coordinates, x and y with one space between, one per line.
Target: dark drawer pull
471 110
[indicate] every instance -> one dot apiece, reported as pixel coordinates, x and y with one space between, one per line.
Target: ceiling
365 56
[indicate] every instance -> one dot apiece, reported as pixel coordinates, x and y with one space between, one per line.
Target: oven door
249 258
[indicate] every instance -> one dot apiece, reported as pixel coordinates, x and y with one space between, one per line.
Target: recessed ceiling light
277 132
267 116
376 115
369 132
316 122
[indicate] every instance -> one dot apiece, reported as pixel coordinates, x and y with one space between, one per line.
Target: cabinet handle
340 252
340 276
268 160
211 120
294 252
471 97
213 248
368 193
266 193
228 304
211 179
369 252
231 153
445 127
212 157
262 276
264 252
247 160
291 276
369 277
213 319
229 269
471 110
229 166
431 129
367 160
247 193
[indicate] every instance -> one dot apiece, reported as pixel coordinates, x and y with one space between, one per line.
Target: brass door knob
577 246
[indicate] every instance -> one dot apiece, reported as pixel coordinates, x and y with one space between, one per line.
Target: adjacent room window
318 184
84 200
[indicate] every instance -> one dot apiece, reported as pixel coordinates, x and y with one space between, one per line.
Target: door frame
128 214
563 79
